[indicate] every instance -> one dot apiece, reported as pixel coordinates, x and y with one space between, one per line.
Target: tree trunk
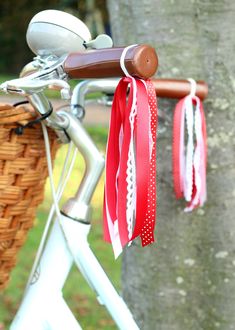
187 279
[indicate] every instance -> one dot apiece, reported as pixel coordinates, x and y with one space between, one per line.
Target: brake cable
20 129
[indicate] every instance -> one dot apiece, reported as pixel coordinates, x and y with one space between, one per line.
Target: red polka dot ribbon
189 154
130 183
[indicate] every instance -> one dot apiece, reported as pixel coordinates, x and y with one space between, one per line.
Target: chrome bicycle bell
54 32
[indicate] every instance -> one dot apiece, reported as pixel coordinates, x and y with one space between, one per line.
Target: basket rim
15 114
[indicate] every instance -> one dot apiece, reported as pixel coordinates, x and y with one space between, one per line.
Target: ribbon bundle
189 161
130 185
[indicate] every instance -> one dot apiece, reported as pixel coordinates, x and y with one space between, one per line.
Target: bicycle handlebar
165 88
179 88
140 61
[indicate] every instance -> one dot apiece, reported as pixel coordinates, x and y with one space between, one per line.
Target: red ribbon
192 166
130 185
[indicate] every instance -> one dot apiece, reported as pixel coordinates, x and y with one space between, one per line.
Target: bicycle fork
43 306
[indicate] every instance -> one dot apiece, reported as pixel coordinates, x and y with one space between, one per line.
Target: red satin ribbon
198 196
132 127
147 234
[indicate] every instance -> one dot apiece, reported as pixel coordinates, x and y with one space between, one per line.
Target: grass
5 77
77 293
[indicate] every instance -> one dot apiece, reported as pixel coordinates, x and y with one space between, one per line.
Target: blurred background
186 280
16 15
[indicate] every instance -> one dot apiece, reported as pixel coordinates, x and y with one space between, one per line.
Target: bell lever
101 41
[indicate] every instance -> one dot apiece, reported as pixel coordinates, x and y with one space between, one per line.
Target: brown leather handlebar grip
177 89
140 61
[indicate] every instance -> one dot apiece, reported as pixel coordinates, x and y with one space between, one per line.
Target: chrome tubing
89 86
77 207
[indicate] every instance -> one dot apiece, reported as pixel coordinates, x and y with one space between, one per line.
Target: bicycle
52 266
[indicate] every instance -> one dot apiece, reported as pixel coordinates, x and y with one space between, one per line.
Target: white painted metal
95 275
42 306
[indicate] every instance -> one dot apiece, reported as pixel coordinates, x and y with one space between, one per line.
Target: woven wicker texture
23 172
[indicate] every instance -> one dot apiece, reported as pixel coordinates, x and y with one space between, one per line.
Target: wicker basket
23 172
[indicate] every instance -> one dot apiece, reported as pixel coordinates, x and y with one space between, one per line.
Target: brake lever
49 69
25 86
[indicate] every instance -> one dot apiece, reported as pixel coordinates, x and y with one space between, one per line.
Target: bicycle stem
77 207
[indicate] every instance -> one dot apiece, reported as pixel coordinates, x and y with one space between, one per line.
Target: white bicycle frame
43 306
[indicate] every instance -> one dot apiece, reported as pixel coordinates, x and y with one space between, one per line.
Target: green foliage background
15 17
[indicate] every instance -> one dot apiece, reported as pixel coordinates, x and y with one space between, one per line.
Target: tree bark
187 279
